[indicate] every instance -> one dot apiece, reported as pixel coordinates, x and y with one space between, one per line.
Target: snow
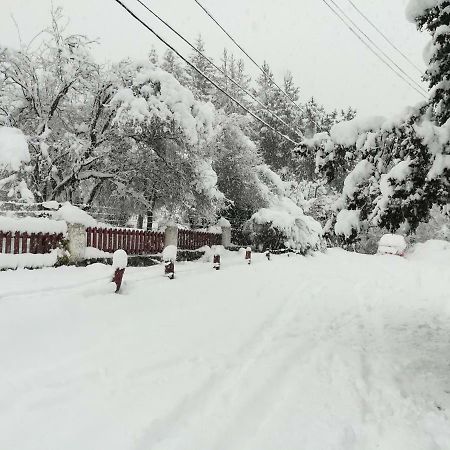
51 204
394 244
417 8
222 222
347 133
362 171
27 260
95 253
440 164
433 250
169 253
302 231
120 259
32 225
218 250
74 215
338 351
347 221
170 101
13 149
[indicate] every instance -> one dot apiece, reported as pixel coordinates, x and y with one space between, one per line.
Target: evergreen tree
236 71
171 63
202 89
277 151
153 56
436 21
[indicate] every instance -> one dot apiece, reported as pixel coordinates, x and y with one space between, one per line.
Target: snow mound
28 260
13 149
433 250
72 214
95 253
393 244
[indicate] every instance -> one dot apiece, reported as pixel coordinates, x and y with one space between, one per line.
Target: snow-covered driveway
337 351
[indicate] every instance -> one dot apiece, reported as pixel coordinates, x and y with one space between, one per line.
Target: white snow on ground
338 352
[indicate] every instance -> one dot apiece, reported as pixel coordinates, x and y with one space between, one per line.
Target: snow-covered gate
192 240
134 242
139 242
23 242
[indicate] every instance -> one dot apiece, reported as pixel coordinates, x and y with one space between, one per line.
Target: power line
411 82
250 58
297 132
377 47
384 36
371 49
204 75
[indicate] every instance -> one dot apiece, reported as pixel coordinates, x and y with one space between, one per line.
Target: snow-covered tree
171 63
14 155
201 88
168 132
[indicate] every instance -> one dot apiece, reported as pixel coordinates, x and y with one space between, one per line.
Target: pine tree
436 21
171 63
198 84
153 56
236 71
277 151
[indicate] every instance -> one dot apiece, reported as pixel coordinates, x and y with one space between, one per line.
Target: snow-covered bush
14 154
284 225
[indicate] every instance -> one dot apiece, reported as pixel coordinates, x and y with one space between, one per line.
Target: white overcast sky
327 61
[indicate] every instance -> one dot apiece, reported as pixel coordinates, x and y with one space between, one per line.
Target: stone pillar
76 235
226 236
171 236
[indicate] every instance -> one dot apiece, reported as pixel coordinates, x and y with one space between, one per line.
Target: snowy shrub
284 225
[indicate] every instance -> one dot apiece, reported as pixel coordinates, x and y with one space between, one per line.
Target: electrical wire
250 58
131 13
371 49
383 35
297 132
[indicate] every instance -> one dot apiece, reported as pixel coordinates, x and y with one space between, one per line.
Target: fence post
171 236
217 249
170 250
120 262
248 255
226 231
76 235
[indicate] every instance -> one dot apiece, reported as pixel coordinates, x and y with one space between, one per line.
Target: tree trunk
140 222
149 219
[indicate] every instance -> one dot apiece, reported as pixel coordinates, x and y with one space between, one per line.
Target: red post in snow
248 255
169 257
120 262
216 258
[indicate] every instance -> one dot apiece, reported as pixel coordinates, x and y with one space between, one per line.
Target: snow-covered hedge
285 224
32 225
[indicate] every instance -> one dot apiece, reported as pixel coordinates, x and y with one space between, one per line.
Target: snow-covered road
337 351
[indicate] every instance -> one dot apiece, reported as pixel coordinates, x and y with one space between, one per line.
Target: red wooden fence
23 242
134 242
139 242
192 240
